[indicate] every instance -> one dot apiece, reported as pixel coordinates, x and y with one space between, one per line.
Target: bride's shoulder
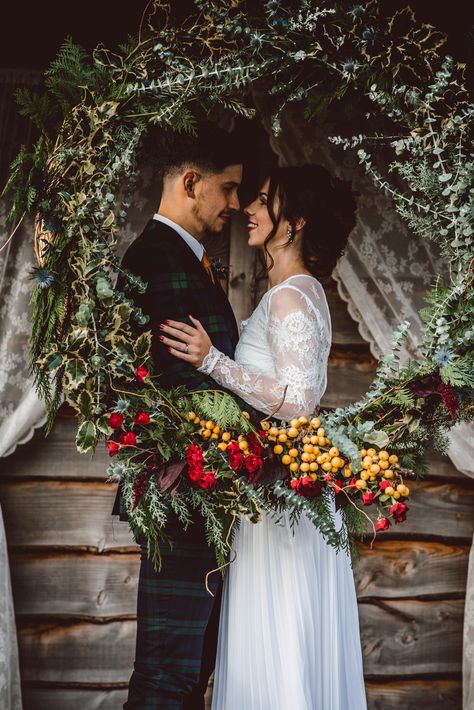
295 288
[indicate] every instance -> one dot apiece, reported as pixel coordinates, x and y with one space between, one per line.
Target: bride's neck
286 265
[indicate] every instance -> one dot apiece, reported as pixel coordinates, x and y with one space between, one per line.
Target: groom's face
216 198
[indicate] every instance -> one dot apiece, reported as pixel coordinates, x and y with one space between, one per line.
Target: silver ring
186 348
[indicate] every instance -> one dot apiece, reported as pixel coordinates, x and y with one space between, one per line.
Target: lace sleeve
299 340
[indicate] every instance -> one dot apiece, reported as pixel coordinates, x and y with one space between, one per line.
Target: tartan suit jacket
178 285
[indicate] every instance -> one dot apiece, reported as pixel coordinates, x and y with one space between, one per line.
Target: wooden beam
397 569
87 586
396 694
410 637
400 638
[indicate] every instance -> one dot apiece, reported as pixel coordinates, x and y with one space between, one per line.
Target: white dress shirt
191 241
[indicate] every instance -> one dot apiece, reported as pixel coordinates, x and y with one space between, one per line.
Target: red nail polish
161 326
162 337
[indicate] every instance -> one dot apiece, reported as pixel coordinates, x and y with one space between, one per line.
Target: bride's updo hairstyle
327 205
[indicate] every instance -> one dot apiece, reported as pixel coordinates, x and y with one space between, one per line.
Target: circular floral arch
90 340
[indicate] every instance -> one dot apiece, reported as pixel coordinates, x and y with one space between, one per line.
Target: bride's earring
290 234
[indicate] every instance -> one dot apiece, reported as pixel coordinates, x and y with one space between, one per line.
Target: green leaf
86 436
378 438
103 426
85 402
142 346
75 373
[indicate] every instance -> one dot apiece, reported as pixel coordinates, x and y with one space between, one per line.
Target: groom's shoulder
158 245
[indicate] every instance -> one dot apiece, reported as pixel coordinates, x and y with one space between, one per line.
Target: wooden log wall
75 568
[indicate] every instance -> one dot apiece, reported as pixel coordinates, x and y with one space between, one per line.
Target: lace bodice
284 343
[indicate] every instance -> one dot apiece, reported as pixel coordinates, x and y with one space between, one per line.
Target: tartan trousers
177 624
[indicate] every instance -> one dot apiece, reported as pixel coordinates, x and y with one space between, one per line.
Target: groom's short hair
211 150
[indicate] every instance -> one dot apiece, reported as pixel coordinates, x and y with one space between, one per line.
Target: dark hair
327 205
211 150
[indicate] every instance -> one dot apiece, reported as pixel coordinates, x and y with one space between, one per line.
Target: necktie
207 265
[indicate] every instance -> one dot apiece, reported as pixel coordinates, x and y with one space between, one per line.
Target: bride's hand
186 342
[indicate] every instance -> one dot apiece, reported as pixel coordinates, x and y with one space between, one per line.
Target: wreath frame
90 341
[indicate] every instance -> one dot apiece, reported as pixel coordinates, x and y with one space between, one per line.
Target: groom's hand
186 342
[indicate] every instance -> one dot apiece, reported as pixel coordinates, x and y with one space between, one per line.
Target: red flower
207 481
236 458
141 373
399 512
450 400
328 477
384 484
142 418
116 420
128 439
195 459
305 486
140 486
254 444
352 483
339 486
382 524
194 455
113 448
368 498
195 473
233 448
253 463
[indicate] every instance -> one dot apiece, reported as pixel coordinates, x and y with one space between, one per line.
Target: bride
289 628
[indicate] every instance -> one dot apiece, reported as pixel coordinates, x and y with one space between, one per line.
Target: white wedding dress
289 628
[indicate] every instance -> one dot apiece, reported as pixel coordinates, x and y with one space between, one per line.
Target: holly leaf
85 403
75 373
142 346
86 436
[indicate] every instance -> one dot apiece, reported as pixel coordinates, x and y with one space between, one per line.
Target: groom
177 620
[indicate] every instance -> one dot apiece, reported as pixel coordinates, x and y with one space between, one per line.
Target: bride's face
259 222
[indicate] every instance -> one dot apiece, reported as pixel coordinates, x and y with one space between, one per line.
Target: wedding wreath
183 451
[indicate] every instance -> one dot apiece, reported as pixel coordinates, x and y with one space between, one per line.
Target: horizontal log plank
62 514
411 637
403 638
80 585
399 695
349 377
74 513
105 585
35 698
437 510
77 652
402 569
55 456
72 699
414 695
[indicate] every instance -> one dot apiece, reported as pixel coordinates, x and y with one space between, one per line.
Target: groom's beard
208 228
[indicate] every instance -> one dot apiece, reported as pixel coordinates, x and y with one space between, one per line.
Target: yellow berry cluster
304 447
378 466
209 430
